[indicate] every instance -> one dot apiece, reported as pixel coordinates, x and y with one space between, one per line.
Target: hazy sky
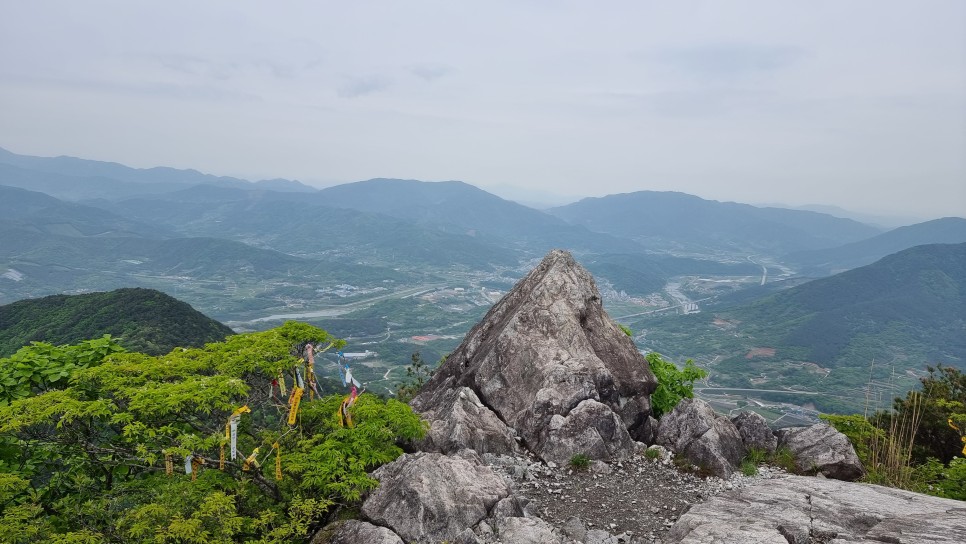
860 104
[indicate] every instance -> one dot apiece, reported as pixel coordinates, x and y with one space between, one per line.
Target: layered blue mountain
679 222
32 211
459 207
948 230
78 179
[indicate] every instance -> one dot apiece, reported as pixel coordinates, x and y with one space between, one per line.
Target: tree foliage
85 458
673 384
417 374
921 443
143 320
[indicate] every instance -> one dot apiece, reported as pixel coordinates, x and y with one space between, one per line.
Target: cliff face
549 363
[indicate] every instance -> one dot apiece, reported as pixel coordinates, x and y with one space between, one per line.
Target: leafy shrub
580 461
673 384
86 461
626 330
748 467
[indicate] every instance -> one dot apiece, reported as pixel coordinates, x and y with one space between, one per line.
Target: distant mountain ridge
35 211
74 178
678 221
464 208
141 320
948 230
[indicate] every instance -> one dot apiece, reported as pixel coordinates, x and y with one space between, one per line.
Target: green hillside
823 340
142 320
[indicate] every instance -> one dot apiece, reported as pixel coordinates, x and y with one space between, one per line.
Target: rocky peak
550 364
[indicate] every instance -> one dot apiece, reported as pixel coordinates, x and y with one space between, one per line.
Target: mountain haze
77 179
677 221
459 207
948 230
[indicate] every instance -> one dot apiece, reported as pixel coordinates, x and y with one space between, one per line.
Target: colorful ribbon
294 404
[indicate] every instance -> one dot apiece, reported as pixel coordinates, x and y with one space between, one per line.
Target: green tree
673 384
42 367
88 462
417 374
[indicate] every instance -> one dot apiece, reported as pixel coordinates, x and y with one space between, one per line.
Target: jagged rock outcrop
459 420
755 433
354 531
543 350
430 497
803 510
821 449
707 439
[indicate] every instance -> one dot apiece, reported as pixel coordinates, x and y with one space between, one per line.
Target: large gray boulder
821 449
755 433
592 429
430 497
804 510
460 421
705 438
542 350
354 531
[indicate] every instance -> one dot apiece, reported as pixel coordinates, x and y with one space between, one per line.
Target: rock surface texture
430 497
548 362
755 433
459 421
822 449
709 440
355 532
804 510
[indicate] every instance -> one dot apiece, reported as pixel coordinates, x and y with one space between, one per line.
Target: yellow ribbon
196 463
310 379
251 460
294 404
278 461
281 383
345 418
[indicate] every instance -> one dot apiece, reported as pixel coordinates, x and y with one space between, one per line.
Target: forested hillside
141 320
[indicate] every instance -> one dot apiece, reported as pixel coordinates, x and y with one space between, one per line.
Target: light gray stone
527 531
705 438
433 497
799 509
754 431
459 420
467 537
822 449
574 529
542 352
355 532
591 429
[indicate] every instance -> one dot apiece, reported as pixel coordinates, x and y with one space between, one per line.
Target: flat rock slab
805 510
